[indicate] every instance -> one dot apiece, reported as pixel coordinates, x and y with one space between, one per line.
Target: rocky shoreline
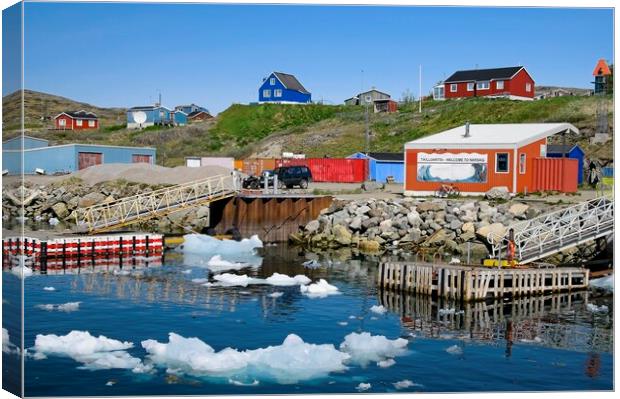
447 226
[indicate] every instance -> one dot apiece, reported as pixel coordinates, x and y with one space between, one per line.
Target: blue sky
215 55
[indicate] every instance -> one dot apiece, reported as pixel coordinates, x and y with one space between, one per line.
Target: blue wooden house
569 151
149 115
179 118
384 165
283 88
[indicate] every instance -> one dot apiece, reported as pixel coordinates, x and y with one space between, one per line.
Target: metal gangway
556 231
140 207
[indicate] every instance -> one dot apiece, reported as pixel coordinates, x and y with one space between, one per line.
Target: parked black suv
290 176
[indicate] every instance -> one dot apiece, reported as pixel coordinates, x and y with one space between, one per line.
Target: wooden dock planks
475 283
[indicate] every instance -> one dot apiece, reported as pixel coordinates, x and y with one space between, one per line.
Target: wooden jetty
469 283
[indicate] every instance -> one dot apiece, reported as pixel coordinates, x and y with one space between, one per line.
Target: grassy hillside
319 130
40 108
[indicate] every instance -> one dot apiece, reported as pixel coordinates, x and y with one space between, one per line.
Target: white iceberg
204 244
65 307
365 348
49 289
363 386
22 271
94 353
386 363
7 346
243 280
217 263
292 361
319 290
229 280
276 294
405 384
604 283
284 280
454 350
378 309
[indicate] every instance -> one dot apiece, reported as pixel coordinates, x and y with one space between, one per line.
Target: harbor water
287 339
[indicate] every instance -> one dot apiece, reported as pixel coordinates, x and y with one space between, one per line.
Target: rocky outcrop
453 226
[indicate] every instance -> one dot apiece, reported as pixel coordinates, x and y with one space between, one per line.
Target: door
87 159
140 158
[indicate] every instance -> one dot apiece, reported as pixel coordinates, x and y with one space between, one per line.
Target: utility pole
420 93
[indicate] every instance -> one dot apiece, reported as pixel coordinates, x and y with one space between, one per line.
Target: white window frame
277 92
78 122
62 122
522 163
272 81
499 85
497 154
91 123
454 87
470 86
267 93
528 87
543 150
483 85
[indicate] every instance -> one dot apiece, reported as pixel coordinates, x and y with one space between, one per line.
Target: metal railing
556 231
140 207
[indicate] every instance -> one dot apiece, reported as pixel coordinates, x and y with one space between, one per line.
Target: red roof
601 69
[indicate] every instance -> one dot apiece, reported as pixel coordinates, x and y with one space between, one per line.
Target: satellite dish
139 117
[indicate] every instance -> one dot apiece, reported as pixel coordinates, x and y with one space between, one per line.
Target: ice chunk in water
292 361
93 352
454 350
597 309
276 294
65 307
363 386
365 348
604 283
7 346
284 280
204 244
49 289
386 363
22 271
379 309
405 384
319 290
228 279
216 263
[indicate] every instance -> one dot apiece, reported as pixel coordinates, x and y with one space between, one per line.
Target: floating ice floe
365 348
49 289
275 294
597 309
65 307
284 280
386 363
243 280
405 384
311 264
243 384
292 361
187 271
343 323
319 290
454 350
229 280
363 386
217 263
219 255
378 309
95 353
199 280
604 283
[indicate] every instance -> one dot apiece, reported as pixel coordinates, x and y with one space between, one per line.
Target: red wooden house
77 120
511 82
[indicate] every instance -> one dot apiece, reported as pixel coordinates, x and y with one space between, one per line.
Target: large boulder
518 210
438 238
372 186
497 229
60 210
431 206
468 227
476 250
369 245
341 235
90 199
498 193
362 210
356 223
386 225
312 226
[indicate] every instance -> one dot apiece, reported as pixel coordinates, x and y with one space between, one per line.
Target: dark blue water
543 344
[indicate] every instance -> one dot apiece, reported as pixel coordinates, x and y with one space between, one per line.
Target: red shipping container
556 174
332 170
256 166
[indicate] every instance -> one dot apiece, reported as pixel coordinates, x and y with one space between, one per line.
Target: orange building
476 158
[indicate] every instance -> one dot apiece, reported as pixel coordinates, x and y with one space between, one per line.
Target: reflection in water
555 321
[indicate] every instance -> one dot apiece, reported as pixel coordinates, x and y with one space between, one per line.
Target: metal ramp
553 232
144 206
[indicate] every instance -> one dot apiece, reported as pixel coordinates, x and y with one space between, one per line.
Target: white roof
508 135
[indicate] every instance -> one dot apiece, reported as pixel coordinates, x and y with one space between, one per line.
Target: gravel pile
146 173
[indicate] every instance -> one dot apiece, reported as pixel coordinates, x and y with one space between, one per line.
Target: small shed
568 151
69 158
179 118
475 158
386 105
384 166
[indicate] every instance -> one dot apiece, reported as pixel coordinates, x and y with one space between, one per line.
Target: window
78 122
499 85
91 123
483 85
62 122
453 88
272 81
522 159
470 86
267 93
528 87
543 150
277 93
501 162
